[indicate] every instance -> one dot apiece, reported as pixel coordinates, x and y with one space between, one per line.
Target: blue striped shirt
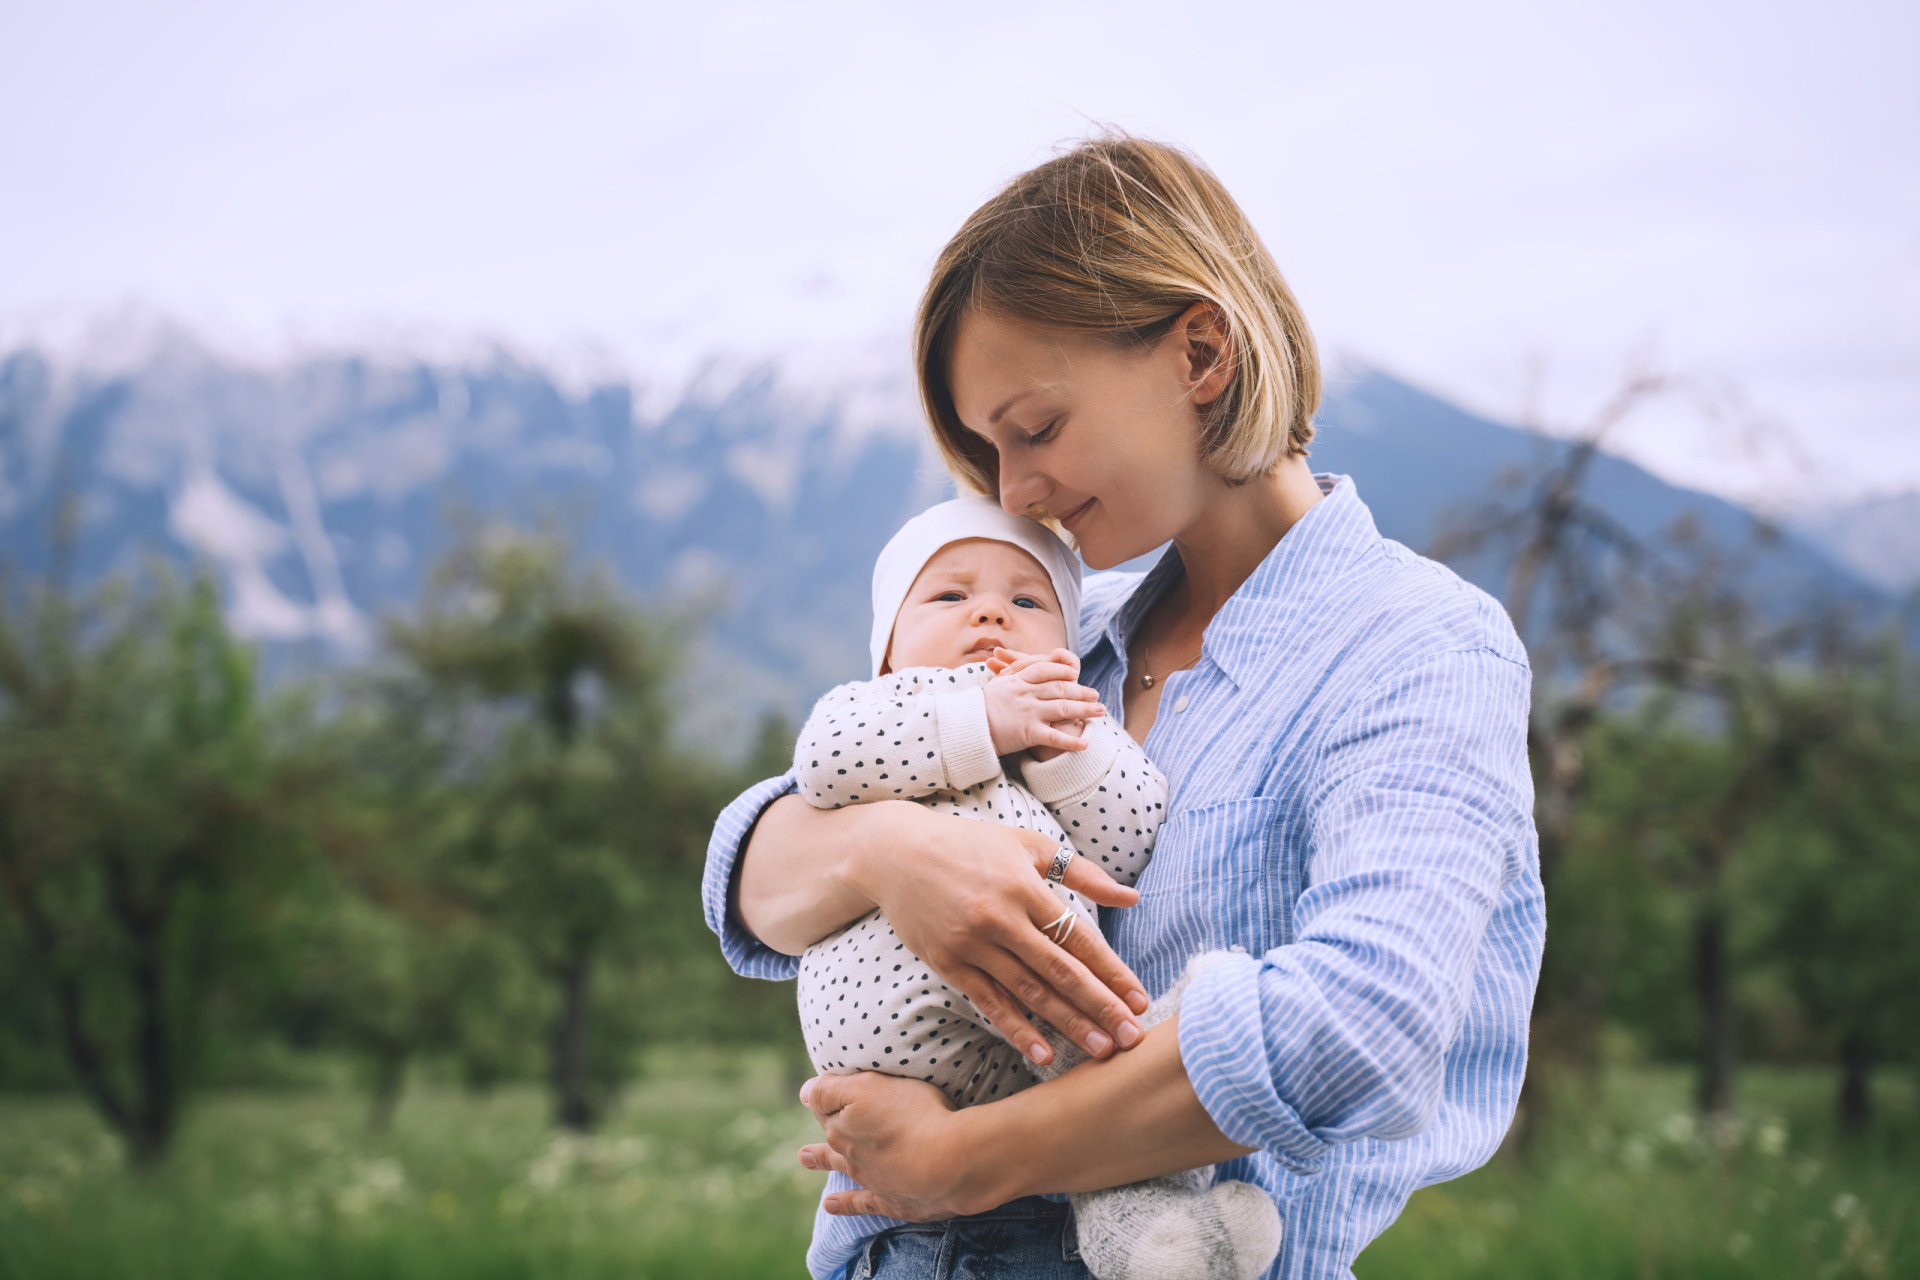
1352 808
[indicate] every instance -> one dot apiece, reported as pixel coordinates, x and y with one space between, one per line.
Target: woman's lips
1077 514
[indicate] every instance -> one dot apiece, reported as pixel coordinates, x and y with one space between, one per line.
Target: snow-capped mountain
320 488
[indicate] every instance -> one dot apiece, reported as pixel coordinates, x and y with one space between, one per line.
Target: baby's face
975 596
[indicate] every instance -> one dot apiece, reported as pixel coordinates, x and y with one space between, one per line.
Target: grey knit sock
1183 1226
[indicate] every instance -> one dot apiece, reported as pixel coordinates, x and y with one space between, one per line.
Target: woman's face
1103 439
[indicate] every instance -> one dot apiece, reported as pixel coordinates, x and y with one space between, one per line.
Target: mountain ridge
321 487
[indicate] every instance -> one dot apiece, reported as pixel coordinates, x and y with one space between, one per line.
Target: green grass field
695 1177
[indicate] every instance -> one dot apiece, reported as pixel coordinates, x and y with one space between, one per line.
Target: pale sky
1479 197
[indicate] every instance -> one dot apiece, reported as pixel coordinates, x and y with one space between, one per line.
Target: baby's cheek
1045 635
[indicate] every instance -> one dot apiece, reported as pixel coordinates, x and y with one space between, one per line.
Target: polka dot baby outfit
866 1002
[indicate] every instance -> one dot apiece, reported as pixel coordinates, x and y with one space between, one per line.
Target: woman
1342 723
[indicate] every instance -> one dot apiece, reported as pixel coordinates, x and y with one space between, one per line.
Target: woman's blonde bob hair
1118 238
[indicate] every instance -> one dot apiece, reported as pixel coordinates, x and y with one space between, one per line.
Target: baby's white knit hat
922 537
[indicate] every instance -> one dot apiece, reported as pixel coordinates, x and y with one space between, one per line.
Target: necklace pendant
1146 682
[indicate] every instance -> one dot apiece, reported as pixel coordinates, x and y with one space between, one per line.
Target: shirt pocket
1209 886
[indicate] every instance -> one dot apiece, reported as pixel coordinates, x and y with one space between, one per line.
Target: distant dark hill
321 489
1878 538
1424 465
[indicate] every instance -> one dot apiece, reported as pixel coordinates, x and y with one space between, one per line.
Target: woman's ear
1207 347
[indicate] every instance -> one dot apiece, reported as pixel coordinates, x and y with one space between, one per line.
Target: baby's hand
1032 701
1072 728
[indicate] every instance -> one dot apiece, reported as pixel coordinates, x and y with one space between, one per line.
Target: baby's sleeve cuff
1072 774
966 740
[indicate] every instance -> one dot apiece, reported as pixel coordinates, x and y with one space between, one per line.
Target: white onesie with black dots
866 1002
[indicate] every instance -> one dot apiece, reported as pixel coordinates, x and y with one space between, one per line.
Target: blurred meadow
695 1177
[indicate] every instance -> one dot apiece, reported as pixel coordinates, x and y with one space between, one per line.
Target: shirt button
1180 703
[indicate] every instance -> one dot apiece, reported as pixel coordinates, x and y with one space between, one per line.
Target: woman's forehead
998 362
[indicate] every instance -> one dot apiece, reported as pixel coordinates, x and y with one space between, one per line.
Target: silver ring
1067 932
1066 918
1062 859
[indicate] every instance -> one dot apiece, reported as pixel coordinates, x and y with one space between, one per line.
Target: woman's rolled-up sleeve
750 957
1421 815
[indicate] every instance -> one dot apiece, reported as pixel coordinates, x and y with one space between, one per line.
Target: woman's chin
1096 555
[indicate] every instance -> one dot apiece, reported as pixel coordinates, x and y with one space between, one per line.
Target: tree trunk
572 1107
389 1080
1711 986
155 1107
1856 1080
84 1055
155 1101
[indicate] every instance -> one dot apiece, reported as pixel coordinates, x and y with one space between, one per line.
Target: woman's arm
797 879
1102 1124
966 897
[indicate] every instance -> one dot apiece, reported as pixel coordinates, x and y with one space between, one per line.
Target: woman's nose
1020 489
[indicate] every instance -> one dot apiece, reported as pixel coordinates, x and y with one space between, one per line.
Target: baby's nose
990 613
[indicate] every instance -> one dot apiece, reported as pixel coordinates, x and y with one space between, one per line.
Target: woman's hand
900 1134
971 900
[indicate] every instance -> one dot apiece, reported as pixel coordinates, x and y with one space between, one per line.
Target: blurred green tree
381 960
1835 879
1696 799
573 815
142 840
1652 657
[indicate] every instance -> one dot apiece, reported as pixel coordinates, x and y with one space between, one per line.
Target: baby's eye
950 597
1028 602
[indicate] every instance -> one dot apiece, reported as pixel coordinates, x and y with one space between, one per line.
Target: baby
1011 741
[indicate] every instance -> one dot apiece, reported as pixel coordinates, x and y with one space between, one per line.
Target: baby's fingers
1046 671
1014 660
1063 689
1054 710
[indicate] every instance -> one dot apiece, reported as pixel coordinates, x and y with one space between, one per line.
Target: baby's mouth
983 649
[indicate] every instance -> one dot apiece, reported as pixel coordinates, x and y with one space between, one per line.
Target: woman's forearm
1132 1116
799 877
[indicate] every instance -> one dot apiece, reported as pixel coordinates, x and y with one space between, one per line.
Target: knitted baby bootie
1169 1229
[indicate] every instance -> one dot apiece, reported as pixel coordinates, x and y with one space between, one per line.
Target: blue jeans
1030 1239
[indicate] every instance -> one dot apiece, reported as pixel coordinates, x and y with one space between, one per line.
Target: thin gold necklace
1146 660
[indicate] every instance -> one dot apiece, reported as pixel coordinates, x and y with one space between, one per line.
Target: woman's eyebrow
1009 402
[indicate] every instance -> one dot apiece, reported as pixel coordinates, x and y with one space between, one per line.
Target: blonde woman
1342 724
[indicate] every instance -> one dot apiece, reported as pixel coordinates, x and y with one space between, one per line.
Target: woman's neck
1238 529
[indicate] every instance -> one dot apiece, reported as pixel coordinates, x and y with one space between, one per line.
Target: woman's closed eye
1046 433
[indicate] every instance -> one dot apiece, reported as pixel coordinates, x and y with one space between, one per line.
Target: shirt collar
1335 532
